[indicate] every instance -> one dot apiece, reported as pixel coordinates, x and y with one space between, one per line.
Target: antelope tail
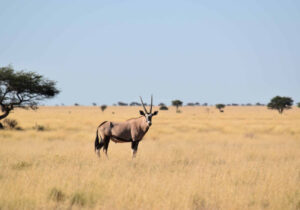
97 143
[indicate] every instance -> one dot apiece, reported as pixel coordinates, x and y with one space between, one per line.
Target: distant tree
280 103
298 104
161 104
197 104
177 104
19 89
220 107
248 104
103 107
234 104
205 104
258 104
76 104
94 104
120 103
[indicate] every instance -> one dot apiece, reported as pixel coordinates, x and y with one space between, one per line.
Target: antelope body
131 131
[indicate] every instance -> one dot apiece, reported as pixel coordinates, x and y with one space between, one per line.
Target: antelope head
148 115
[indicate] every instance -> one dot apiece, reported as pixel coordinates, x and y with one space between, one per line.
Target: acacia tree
19 89
177 104
280 103
220 107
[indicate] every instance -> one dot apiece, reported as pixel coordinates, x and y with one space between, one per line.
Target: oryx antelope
132 130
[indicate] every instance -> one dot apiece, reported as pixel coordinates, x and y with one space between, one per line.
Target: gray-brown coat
132 130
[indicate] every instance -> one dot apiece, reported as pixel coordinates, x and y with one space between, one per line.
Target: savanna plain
244 158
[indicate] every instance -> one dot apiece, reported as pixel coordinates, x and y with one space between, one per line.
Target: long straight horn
143 105
151 104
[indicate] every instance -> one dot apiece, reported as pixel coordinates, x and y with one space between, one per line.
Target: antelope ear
142 113
155 113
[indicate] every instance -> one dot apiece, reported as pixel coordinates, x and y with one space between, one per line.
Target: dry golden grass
244 158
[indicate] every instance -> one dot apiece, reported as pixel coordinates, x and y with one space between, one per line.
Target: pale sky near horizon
197 51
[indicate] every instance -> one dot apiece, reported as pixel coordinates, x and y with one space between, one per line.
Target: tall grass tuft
78 198
21 165
56 195
11 124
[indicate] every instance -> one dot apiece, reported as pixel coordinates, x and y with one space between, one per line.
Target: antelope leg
134 147
105 147
98 148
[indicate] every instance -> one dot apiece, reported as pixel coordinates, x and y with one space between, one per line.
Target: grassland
244 158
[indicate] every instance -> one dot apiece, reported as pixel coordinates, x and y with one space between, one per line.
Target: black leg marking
134 147
98 147
106 143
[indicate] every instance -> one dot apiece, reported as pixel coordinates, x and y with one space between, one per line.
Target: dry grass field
244 158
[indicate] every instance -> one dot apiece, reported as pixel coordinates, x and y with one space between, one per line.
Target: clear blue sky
109 51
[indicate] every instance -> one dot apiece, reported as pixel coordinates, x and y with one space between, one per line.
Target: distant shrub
39 127
163 107
94 104
56 195
76 104
220 107
190 104
10 123
103 107
135 104
120 103
298 104
259 104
